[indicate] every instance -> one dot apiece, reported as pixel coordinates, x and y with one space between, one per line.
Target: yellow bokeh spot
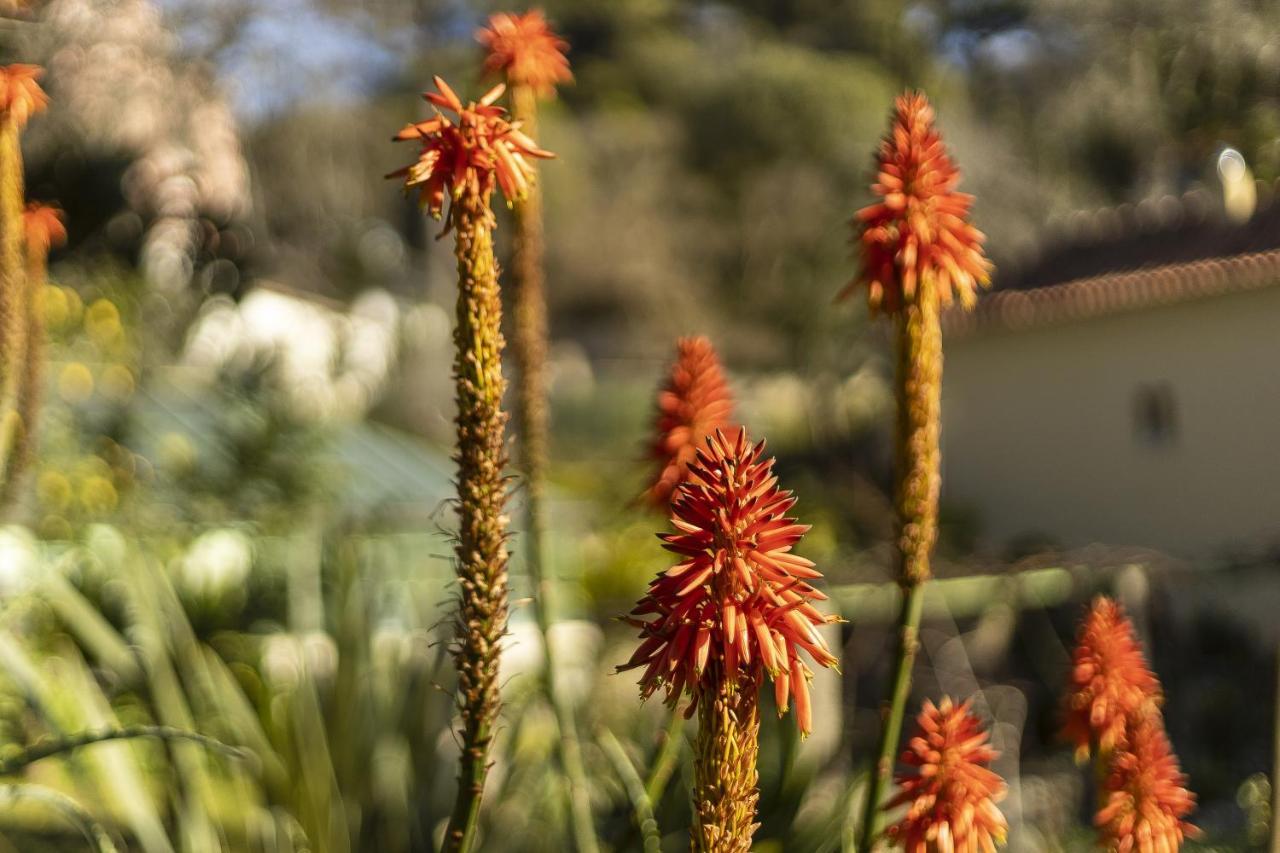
117 383
97 495
55 527
54 307
176 452
75 383
54 490
75 305
102 322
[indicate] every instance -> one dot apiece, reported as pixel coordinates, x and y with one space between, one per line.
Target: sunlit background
237 521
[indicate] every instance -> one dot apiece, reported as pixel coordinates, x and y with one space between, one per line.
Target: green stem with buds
919 393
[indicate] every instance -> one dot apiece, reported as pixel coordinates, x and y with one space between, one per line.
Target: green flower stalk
531 58
465 158
20 98
919 254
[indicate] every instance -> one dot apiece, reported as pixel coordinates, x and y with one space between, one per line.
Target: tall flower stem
42 227
891 731
20 98
13 288
531 57
918 253
530 351
738 607
467 150
919 391
1275 764
482 495
725 779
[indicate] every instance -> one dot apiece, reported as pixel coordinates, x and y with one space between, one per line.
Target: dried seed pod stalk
948 787
736 609
20 98
465 157
918 254
694 402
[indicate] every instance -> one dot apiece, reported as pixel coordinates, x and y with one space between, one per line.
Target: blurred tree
1122 99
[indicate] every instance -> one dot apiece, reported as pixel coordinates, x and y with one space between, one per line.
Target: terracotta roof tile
1132 257
1115 292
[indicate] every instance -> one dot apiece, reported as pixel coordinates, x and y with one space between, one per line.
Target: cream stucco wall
1038 428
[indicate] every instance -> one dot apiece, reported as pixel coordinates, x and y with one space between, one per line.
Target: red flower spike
693 403
920 226
526 51
947 786
20 94
43 227
738 601
1144 795
470 152
1110 683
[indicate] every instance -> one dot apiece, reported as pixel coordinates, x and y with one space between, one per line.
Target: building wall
1040 432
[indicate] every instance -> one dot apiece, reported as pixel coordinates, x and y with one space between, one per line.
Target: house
1123 386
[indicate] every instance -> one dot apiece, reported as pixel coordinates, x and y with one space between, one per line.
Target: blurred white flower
334 363
287 658
577 645
107 545
217 561
19 560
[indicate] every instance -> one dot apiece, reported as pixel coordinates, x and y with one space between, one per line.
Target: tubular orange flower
692 404
526 51
919 227
473 151
42 225
739 599
949 790
1111 685
20 94
1144 796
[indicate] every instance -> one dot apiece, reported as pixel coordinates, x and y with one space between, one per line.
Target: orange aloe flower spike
43 227
474 148
1110 683
947 785
694 402
524 49
737 601
20 94
919 226
1144 795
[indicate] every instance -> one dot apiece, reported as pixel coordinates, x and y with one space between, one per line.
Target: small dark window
1155 415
